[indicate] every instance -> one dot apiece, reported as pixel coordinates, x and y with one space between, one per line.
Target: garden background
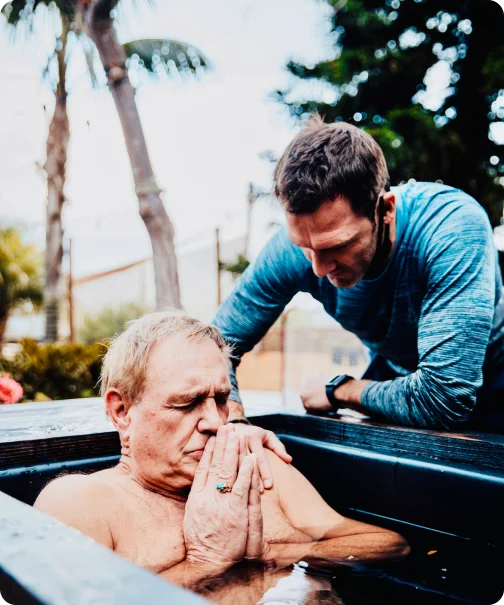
138 140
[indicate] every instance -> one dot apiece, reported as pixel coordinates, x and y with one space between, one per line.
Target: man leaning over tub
185 500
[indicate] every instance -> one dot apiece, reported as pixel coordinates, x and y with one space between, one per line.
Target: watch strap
333 384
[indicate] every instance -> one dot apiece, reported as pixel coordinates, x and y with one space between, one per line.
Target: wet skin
138 509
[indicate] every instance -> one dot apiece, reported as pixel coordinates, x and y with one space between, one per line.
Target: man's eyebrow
190 396
339 245
187 396
223 391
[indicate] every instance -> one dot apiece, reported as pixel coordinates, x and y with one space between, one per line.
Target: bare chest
150 533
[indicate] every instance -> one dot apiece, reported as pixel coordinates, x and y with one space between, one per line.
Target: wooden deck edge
478 450
473 451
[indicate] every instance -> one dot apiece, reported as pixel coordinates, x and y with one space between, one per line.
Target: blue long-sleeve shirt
436 313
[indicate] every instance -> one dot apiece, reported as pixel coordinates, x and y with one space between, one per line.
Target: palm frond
90 55
158 56
18 11
32 292
103 8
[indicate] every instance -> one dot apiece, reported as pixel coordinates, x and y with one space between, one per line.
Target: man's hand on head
258 439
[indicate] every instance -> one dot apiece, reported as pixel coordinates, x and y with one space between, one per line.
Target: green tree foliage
20 275
55 371
237 267
109 322
376 79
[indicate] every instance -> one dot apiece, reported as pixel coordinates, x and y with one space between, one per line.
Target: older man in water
185 500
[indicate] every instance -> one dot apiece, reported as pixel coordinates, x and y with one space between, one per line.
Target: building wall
197 269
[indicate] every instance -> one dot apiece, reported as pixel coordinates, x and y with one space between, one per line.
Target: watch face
338 380
334 384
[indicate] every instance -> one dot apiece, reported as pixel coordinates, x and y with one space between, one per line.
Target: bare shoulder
80 501
300 501
276 463
289 484
67 487
283 473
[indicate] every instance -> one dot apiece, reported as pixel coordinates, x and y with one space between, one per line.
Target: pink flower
10 390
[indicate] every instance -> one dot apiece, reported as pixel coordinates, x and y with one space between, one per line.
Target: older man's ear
117 409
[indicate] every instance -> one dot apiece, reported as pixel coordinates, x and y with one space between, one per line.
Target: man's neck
126 468
384 250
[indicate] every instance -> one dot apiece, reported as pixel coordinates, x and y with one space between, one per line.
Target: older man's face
184 403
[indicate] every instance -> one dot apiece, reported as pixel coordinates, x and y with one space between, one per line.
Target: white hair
125 364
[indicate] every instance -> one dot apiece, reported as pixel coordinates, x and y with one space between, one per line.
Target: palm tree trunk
152 211
4 316
55 167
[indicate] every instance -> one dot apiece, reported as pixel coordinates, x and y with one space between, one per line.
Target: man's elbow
395 545
439 407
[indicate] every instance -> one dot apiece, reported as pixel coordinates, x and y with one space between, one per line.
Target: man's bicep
306 509
75 502
457 275
457 311
301 503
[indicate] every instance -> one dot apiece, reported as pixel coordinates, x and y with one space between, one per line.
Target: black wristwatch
335 382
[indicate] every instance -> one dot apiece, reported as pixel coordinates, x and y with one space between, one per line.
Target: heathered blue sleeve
458 269
262 293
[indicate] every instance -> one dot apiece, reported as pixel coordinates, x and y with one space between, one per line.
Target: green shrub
109 322
56 371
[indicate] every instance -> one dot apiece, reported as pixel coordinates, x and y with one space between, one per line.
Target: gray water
440 574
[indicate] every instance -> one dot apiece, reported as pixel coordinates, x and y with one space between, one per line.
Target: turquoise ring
223 487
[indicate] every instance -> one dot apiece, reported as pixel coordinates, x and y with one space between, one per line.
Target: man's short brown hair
326 161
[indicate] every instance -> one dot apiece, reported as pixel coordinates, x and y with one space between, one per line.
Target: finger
273 443
254 546
261 486
257 448
229 465
254 495
240 491
243 449
200 477
219 448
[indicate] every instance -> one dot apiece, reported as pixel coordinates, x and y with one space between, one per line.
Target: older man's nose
211 419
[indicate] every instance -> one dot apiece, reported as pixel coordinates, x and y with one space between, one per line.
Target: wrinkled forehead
182 363
333 224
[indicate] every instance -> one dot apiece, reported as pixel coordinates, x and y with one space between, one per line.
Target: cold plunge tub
443 492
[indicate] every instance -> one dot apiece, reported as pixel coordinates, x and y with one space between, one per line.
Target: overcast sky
204 137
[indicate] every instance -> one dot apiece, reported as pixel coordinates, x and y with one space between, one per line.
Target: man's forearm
349 394
346 550
189 574
236 410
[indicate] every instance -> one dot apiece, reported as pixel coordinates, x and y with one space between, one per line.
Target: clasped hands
222 527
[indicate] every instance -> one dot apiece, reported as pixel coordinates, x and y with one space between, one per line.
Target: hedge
55 371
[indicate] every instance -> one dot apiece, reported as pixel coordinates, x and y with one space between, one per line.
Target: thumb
273 443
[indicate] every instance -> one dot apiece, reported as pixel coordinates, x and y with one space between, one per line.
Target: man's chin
342 282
